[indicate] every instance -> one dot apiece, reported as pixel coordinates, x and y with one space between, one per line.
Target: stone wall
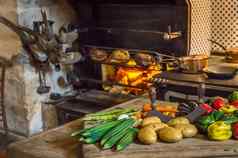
23 104
29 11
9 43
15 89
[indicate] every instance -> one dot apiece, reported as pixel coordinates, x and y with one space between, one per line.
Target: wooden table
55 143
58 144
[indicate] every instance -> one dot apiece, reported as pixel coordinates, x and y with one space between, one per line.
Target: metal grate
224 23
200 27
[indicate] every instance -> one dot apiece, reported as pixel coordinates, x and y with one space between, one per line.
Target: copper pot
193 63
232 54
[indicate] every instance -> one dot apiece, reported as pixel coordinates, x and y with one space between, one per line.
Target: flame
137 77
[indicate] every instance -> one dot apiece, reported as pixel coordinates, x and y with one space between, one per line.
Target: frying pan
220 72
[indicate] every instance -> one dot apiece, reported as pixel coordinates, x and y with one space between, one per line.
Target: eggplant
186 108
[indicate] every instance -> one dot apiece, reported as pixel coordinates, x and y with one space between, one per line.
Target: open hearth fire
136 80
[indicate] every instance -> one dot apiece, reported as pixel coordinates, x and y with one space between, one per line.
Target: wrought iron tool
154 103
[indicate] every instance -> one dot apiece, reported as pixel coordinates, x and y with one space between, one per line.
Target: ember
136 79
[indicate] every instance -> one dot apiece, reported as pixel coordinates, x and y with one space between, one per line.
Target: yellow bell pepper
219 131
228 109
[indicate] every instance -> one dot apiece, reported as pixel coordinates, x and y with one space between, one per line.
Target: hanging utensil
218 44
43 88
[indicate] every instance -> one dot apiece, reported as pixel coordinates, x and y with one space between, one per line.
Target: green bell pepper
205 121
235 113
230 119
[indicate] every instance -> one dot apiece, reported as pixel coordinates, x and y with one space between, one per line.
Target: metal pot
193 63
230 53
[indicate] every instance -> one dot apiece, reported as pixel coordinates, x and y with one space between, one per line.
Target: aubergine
186 108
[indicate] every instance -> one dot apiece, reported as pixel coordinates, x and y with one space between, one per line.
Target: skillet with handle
220 72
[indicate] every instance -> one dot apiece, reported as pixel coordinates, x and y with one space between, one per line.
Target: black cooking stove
176 86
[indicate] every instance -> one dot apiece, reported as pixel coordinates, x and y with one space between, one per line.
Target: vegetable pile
119 133
118 128
222 122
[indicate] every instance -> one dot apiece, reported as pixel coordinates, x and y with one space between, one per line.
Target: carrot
147 107
166 109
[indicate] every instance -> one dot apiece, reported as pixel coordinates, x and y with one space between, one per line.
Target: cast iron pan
220 72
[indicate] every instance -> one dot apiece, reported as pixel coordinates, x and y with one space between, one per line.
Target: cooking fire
136 77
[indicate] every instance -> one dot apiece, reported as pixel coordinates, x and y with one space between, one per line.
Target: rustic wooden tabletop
57 143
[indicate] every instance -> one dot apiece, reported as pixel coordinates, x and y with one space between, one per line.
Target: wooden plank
187 148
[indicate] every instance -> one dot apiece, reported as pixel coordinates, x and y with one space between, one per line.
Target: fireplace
172 27
156 28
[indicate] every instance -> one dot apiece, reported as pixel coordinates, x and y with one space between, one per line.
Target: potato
150 120
147 136
170 135
178 120
157 126
188 130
